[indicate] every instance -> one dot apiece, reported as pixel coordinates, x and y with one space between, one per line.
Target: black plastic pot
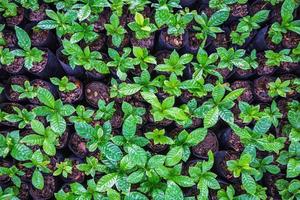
187 3
210 142
164 45
52 68
147 43
230 141
73 96
82 142
259 41
77 71
50 42
262 94
220 166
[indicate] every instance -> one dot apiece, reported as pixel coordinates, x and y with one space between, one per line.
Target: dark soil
16 20
210 142
95 91
38 15
39 67
47 192
74 95
15 67
14 80
248 92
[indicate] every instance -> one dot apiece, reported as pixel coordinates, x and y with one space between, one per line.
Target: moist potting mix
149 99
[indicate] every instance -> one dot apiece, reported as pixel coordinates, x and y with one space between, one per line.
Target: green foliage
175 63
115 30
10 144
203 177
13 173
54 110
31 55
27 91
63 168
279 88
159 137
8 8
209 26
230 58
6 56
142 27
288 190
274 59
287 23
89 60
22 117
44 137
178 22
64 85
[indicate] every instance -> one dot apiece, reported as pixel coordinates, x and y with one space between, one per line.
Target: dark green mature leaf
106 182
173 192
38 179
294 119
21 152
211 118
174 156
23 39
219 17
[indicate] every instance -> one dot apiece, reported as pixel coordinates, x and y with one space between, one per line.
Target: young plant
8 8
43 136
85 58
104 111
91 166
115 30
83 32
178 22
164 110
29 4
82 115
129 139
293 118
64 85
274 59
180 150
159 137
230 58
132 114
241 167
204 178
251 60
64 168
197 87
279 88
10 193
122 63
78 191
39 162
135 6
291 159
227 194
60 21
257 138
27 91
99 138
175 63
55 110
205 65
210 26
164 10
31 55
264 165
142 27
142 83
11 145
287 23
13 173
249 112
87 9
142 57
248 24
288 190
22 117
218 106
6 56
273 113
172 86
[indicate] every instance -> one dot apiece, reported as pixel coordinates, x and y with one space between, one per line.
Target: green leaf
23 39
293 168
211 118
38 179
130 89
129 127
45 97
174 156
47 24
219 17
262 125
249 183
21 152
37 127
84 12
33 139
49 147
294 119
57 123
137 155
106 182
112 152
173 192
